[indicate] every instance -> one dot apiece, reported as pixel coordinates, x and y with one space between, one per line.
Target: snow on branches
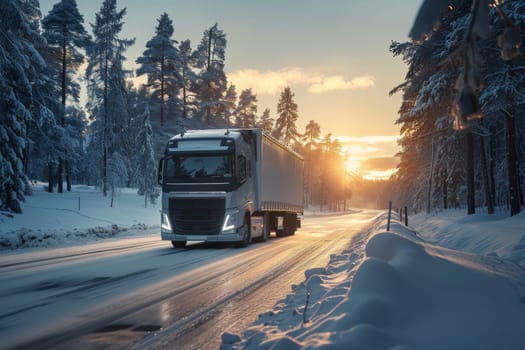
469 82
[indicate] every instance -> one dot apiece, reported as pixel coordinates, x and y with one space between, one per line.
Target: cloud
380 163
338 82
368 139
369 146
378 174
360 150
268 82
374 154
272 82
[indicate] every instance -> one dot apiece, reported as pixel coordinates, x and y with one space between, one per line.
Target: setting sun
352 165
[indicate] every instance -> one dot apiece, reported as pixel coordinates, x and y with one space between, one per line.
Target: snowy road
140 292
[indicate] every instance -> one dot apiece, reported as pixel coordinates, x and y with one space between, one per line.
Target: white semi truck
229 185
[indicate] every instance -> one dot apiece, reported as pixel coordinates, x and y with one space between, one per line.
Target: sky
334 55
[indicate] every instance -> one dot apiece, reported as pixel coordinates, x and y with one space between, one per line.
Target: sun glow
352 165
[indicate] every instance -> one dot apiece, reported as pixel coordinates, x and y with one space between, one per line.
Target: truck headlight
229 220
228 223
165 222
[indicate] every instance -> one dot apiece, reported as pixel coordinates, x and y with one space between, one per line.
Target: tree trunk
50 179
492 147
430 175
184 101
445 188
486 178
162 92
471 199
106 116
511 166
60 180
68 175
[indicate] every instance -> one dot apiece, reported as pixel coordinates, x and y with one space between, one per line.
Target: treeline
462 116
116 138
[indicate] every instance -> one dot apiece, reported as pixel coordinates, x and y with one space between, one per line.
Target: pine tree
65 34
76 125
47 135
20 64
310 138
246 109
188 78
311 134
434 157
230 104
106 88
159 63
211 82
136 100
285 127
145 160
266 121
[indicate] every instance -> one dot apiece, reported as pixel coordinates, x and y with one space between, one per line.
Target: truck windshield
199 168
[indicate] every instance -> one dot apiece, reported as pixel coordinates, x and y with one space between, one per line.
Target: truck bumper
225 237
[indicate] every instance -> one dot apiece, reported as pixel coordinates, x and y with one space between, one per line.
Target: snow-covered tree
159 63
20 65
188 77
285 127
106 87
117 174
437 160
76 125
145 161
211 83
266 122
246 112
65 34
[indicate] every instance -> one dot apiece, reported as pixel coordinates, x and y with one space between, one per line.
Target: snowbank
51 219
492 235
394 291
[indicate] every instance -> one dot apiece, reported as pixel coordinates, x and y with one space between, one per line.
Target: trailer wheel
293 224
178 244
266 227
289 224
247 235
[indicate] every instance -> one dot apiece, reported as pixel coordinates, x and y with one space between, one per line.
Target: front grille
196 216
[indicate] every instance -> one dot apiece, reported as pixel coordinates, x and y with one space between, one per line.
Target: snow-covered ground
450 281
82 215
395 290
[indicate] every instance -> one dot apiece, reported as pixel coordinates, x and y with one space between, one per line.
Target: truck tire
178 244
247 235
289 224
293 224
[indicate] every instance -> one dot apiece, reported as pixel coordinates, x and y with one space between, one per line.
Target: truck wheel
178 244
247 235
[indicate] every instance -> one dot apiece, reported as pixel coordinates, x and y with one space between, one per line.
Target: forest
461 119
462 115
115 138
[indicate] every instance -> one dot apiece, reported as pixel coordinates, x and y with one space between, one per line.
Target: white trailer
229 185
